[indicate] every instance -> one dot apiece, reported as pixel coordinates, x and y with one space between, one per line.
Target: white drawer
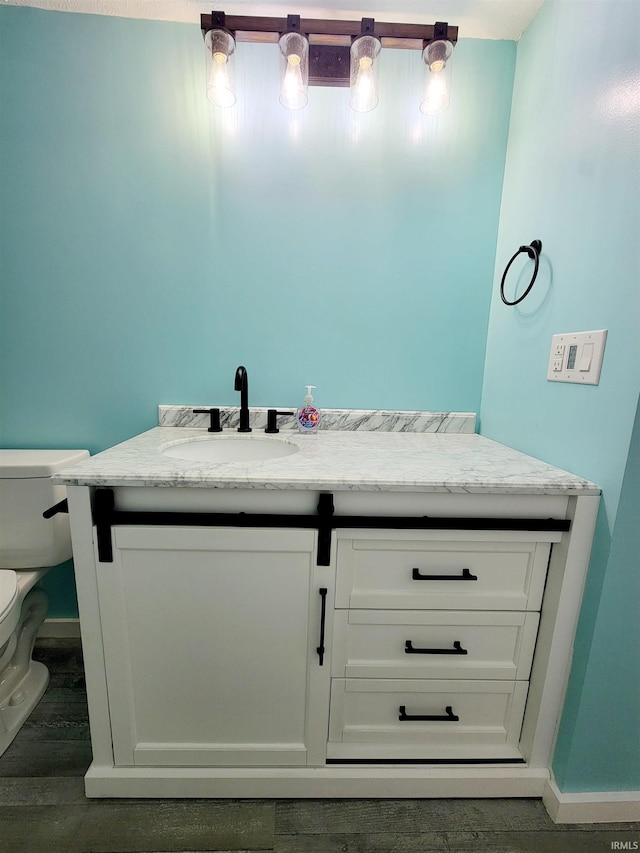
433 644
412 573
420 720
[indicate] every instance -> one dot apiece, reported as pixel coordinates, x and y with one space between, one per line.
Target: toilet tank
27 540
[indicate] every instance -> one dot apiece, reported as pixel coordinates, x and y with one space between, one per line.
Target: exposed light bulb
220 46
219 89
436 96
364 88
294 48
364 96
293 94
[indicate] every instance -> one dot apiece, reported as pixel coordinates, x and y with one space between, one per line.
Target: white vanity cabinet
388 645
211 646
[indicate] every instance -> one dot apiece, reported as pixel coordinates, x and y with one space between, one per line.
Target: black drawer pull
456 650
465 576
448 716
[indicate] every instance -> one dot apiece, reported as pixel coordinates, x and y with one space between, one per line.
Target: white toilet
29 546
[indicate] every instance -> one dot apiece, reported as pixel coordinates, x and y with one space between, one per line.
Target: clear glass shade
294 49
219 47
364 73
437 82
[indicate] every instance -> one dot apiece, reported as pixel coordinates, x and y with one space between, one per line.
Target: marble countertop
357 460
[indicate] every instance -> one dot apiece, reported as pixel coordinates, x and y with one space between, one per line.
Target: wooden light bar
259 29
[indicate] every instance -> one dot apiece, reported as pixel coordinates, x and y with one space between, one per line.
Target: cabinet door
210 642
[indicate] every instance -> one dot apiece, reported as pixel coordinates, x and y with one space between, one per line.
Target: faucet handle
272 420
214 418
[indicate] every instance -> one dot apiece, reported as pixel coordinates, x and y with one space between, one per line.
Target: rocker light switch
576 357
587 355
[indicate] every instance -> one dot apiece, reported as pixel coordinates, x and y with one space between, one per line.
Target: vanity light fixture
364 69
436 56
294 49
328 53
220 46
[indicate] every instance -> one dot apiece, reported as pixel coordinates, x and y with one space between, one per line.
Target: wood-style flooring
43 808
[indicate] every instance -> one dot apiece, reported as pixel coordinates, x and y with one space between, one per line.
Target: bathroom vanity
377 613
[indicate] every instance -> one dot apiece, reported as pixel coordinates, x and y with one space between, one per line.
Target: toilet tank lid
23 464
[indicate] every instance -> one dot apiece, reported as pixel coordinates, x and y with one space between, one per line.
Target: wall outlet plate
576 357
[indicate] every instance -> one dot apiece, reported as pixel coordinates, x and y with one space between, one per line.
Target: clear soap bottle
308 416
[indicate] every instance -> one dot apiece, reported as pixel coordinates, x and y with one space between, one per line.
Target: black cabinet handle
456 650
214 418
465 576
323 614
447 717
63 506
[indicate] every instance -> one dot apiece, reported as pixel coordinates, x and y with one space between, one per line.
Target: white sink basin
230 448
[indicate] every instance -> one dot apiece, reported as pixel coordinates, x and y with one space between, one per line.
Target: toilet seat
8 596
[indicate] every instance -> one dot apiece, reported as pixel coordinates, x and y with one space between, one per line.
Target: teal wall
573 180
151 244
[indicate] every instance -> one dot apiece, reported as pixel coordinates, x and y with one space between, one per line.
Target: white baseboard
60 629
333 780
591 807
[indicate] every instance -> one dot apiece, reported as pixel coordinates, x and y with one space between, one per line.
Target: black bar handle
465 576
456 650
214 418
447 717
63 506
272 420
323 614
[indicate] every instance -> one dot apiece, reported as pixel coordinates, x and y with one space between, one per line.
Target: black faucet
241 384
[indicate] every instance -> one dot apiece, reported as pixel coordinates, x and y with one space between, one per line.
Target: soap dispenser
307 416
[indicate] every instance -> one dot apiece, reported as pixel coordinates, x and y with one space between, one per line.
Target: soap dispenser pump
308 416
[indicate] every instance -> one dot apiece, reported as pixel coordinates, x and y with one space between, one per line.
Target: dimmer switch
576 357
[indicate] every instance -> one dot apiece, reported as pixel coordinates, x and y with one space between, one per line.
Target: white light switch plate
576 357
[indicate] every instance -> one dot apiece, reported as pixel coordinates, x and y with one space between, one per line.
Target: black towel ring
534 253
